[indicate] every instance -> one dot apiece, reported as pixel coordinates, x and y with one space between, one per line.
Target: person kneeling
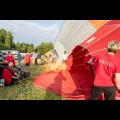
9 75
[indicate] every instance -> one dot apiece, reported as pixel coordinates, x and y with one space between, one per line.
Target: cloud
30 32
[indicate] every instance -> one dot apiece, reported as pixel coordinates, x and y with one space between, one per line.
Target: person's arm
13 61
93 60
16 74
117 81
15 77
4 62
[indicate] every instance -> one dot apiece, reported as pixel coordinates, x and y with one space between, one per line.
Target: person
10 58
50 57
64 56
2 59
107 73
27 59
10 76
2 62
19 57
38 58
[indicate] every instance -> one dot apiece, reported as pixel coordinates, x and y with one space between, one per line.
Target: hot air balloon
82 39
74 32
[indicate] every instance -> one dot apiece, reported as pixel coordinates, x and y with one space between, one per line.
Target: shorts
27 64
109 92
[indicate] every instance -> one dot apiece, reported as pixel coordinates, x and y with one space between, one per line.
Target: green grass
26 90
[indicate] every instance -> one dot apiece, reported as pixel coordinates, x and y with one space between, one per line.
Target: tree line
7 43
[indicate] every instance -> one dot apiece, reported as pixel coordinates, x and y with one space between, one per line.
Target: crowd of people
9 64
8 72
106 76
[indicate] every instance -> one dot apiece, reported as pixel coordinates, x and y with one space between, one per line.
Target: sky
33 31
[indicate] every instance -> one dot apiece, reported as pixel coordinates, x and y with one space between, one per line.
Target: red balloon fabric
76 82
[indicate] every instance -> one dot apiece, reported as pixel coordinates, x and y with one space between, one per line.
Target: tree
25 47
13 46
18 46
44 47
2 47
8 41
3 34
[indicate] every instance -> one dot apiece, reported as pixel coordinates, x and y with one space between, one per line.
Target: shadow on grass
55 88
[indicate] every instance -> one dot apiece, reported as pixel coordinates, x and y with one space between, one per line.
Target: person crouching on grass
10 76
107 73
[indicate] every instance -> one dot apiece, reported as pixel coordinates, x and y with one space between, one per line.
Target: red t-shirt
7 75
10 59
27 58
106 66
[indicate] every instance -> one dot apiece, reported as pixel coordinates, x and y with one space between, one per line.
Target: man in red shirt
107 73
9 75
10 58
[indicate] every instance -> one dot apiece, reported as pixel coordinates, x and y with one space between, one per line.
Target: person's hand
16 74
87 63
118 90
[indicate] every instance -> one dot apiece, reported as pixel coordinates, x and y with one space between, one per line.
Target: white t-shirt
64 57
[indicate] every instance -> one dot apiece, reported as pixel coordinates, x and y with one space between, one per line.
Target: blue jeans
19 62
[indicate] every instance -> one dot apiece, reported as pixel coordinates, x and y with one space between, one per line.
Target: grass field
26 90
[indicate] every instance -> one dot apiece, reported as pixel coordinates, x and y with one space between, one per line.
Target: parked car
14 53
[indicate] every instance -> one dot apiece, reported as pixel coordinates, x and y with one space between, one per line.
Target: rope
71 35
90 53
97 40
79 64
85 32
102 37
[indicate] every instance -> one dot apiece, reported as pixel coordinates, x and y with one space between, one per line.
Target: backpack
24 74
